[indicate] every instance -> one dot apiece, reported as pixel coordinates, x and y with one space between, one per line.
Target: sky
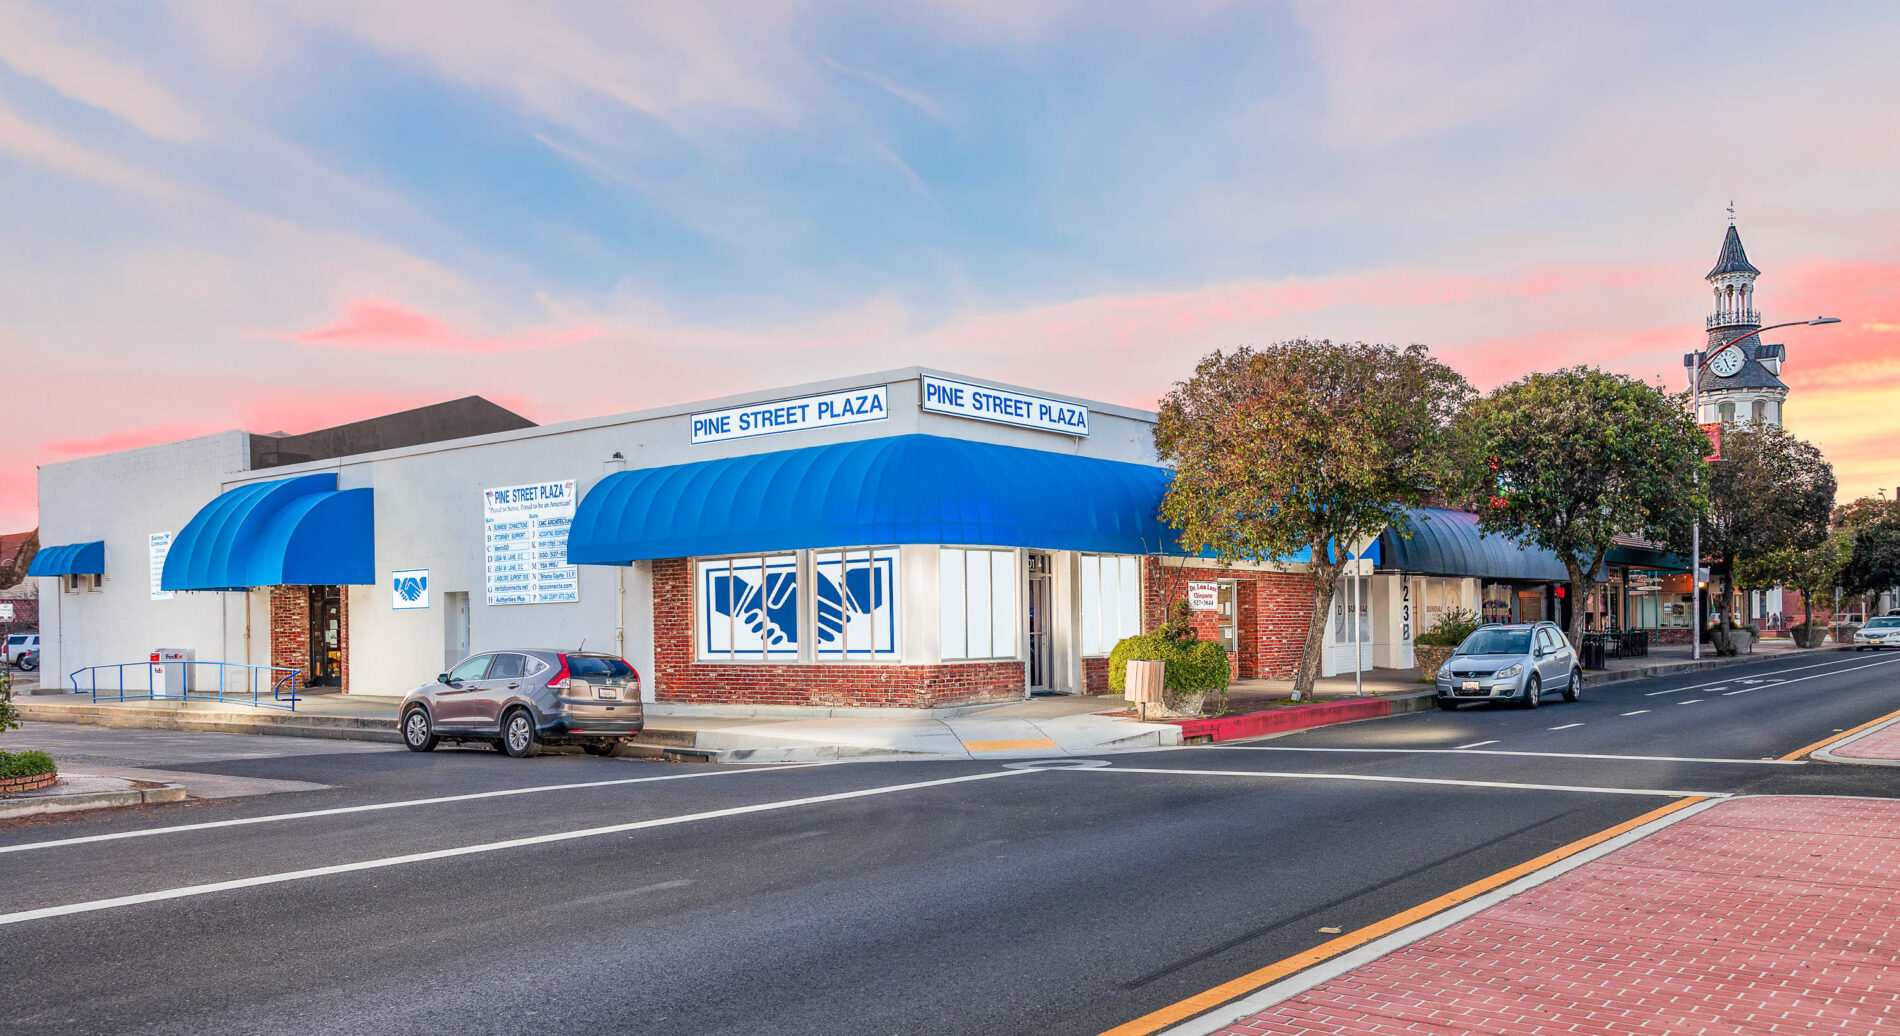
287 216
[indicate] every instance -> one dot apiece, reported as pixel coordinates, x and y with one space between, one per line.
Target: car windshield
1497 642
597 667
20 638
1884 622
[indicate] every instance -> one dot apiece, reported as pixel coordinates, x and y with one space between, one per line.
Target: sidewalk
1879 745
1033 728
1756 915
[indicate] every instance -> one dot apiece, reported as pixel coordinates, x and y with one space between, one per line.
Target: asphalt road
567 893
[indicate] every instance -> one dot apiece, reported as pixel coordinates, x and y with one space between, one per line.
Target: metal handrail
282 693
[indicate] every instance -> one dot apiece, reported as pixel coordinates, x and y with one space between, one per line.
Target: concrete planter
30 782
1429 658
1808 636
1844 633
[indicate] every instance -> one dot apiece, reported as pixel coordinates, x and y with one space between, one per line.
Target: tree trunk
1724 643
1325 580
1580 587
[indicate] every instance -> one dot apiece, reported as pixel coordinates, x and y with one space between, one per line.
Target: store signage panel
525 538
409 589
983 403
1204 597
6 611
852 406
161 545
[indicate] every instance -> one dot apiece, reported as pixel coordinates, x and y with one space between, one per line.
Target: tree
1770 492
1874 563
13 570
1809 570
1304 445
1568 460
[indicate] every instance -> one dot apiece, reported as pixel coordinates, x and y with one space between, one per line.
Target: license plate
1470 685
607 692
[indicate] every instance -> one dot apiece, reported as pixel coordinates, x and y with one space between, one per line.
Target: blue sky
284 220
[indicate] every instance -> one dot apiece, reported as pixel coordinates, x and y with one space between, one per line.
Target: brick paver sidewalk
1758 915
1879 743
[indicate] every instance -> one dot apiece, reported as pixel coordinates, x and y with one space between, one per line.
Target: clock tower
1741 383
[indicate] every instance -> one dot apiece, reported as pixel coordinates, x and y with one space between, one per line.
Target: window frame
701 606
1011 592
808 603
1123 563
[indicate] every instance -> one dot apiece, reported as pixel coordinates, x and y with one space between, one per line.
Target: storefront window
855 599
748 608
979 603
1496 607
1111 601
1345 603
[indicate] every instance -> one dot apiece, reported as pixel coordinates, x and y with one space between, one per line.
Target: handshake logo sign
409 589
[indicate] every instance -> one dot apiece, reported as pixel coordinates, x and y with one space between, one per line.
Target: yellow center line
1232 990
1842 736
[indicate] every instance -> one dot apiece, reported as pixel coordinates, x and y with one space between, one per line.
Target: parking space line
91 906
1566 726
1691 701
399 804
1475 744
1494 751
1384 779
1638 712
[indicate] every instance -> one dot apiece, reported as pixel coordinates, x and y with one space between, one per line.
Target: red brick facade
31 782
1095 675
678 677
1272 610
290 631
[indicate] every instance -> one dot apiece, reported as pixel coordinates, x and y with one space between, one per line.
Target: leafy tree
13 571
1874 564
1810 570
1304 445
1567 460
1770 492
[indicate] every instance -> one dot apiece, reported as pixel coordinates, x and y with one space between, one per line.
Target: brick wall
290 631
1095 675
677 677
1272 610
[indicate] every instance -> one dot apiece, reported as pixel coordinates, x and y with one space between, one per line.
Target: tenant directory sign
525 530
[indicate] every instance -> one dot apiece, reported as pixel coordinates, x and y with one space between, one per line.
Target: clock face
1726 362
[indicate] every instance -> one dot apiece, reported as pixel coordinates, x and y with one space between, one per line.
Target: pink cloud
130 439
374 324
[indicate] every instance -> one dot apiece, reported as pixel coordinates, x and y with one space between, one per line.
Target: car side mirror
443 678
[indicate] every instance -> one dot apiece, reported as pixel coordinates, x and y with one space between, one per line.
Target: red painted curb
1275 721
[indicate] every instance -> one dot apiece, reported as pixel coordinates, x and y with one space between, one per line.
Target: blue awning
900 489
299 531
71 559
1439 542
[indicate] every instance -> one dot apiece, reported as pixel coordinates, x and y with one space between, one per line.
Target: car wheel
599 747
27 664
1533 693
417 732
1574 689
517 734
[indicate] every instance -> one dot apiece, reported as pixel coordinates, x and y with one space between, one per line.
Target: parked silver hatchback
519 700
1510 663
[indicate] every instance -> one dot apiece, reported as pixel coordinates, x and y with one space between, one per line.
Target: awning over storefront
71 559
294 531
1439 542
901 489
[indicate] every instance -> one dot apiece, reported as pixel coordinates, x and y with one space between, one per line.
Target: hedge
25 764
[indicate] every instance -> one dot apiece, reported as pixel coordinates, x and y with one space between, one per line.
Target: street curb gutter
91 800
1219 1008
1827 754
1301 717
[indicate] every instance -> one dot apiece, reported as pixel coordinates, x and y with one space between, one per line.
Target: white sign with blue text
525 533
409 589
1003 406
852 406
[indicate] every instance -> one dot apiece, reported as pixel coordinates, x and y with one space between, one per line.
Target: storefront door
326 637
1041 650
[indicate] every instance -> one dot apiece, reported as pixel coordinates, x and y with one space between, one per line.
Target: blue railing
234 689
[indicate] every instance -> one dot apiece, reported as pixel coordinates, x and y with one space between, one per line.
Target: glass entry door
1041 649
325 633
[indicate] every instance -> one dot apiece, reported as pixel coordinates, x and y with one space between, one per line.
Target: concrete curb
1293 718
1827 754
166 792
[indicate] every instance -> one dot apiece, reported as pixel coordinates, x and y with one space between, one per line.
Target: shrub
1194 667
9 716
1450 630
25 764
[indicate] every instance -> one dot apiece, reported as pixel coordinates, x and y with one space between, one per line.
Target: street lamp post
1695 361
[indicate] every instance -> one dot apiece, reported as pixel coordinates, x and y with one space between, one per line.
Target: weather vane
1731 212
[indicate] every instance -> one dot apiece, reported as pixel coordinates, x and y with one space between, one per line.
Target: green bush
1450 630
1194 668
25 764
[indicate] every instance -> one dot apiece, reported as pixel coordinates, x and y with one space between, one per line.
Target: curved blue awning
900 489
71 559
1440 542
290 532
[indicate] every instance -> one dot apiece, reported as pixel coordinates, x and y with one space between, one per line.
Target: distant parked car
1510 663
19 644
521 699
1878 633
29 660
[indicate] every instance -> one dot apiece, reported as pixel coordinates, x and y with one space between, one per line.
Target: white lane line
91 906
1775 676
399 804
1475 744
1638 712
1712 690
1500 751
1381 779
1566 726
1744 690
1691 701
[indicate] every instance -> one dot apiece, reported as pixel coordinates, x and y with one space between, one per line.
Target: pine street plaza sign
1003 406
852 406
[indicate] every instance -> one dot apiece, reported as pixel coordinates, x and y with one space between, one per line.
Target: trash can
1144 685
1591 651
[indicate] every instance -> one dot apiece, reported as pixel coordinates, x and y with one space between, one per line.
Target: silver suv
1510 663
519 700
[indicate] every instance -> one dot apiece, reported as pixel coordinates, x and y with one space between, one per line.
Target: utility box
171 673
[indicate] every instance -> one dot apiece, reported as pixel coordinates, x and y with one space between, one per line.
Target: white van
19 644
